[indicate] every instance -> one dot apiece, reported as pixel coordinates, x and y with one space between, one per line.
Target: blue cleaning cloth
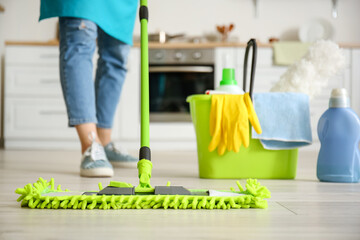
284 119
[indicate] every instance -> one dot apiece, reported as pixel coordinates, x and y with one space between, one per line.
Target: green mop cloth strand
43 194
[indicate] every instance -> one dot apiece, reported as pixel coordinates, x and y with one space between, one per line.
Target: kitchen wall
279 18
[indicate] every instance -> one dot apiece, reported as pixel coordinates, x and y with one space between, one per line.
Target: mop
121 195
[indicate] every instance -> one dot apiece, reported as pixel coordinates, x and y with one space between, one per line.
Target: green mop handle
145 139
144 164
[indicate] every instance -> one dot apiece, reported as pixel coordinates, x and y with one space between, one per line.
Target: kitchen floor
299 209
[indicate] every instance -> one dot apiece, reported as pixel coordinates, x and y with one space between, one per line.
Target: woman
91 105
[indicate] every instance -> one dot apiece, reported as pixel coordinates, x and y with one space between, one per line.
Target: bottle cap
228 77
339 98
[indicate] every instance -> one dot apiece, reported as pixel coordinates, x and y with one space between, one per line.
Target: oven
175 74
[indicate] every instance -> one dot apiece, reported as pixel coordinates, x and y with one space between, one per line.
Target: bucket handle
250 43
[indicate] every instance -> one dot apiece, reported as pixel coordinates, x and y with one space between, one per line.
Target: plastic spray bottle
339 134
228 84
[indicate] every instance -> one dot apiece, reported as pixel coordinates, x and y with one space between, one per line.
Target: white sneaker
94 162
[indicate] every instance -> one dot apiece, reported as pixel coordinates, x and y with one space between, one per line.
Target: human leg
104 135
110 76
83 131
77 46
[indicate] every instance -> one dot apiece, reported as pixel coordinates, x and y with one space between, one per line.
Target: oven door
171 84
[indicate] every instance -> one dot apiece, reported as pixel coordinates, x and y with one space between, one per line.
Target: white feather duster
311 73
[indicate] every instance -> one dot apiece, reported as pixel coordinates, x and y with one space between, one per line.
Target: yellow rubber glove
242 122
226 124
229 126
229 122
216 121
235 121
252 114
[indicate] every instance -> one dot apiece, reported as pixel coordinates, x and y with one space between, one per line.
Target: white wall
276 17
194 17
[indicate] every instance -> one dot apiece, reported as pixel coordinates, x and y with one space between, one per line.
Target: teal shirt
115 17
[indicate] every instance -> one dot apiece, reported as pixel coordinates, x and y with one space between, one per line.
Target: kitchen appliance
175 74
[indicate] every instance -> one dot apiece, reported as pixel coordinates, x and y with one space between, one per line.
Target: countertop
174 44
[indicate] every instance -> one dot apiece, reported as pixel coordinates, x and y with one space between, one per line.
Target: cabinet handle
49 55
52 112
199 69
48 81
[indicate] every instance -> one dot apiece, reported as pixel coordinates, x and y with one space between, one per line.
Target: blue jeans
88 101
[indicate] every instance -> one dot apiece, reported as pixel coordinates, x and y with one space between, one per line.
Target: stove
182 56
174 74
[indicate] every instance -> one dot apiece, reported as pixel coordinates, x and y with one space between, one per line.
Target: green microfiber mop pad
43 194
119 184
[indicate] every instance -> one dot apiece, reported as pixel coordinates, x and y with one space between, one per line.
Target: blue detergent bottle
339 134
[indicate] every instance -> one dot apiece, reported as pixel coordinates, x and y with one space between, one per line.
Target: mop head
43 194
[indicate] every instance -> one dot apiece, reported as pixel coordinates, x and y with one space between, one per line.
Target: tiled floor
299 209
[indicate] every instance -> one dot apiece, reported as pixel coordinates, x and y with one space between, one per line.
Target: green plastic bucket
251 162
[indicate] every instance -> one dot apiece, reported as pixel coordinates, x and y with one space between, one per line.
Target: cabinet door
33 81
32 55
355 83
34 109
37 119
128 114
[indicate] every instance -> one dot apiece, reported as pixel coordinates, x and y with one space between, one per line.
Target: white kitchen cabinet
128 114
355 80
36 119
34 111
35 115
30 80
